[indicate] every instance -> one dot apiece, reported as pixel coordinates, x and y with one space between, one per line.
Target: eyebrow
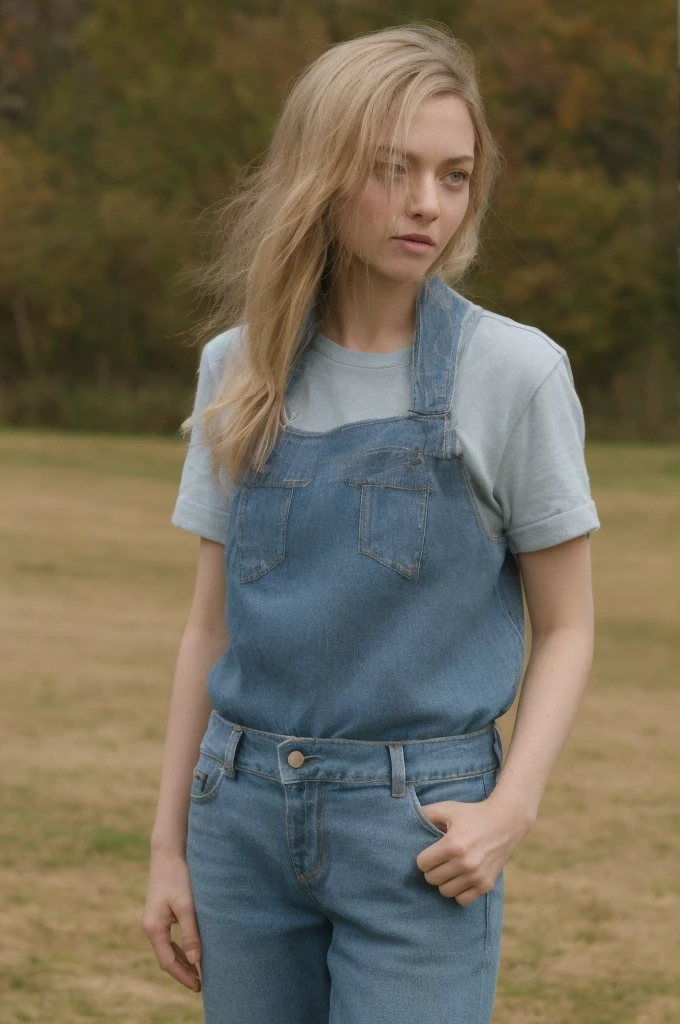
465 158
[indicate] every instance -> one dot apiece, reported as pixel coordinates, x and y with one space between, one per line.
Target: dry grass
592 921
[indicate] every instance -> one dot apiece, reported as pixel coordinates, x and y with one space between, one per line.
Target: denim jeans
310 905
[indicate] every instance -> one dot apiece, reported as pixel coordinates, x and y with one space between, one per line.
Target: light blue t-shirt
517 415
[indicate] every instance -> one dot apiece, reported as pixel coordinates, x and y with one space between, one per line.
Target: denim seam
507 613
300 878
365 482
420 814
319 835
365 518
493 538
387 448
450 427
415 799
283 516
341 739
205 797
320 435
385 781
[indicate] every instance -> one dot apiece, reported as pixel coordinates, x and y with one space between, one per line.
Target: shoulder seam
522 415
524 327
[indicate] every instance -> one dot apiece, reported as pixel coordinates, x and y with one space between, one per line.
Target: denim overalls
376 633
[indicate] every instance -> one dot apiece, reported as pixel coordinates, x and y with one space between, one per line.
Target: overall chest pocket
262 524
393 512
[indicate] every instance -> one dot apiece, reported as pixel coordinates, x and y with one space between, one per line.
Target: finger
447 871
191 939
183 971
433 855
458 886
171 958
467 897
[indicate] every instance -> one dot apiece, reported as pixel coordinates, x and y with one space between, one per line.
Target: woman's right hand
170 900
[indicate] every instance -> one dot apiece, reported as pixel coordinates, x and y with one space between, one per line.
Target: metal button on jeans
296 758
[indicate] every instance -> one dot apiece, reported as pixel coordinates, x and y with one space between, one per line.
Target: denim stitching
422 818
366 513
205 796
360 782
367 482
507 613
319 836
284 511
415 800
495 538
300 878
285 738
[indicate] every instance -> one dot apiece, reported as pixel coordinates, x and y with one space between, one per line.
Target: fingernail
192 956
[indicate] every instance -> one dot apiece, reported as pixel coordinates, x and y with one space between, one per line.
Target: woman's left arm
558 590
481 837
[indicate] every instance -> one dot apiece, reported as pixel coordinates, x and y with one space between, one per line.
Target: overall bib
376 633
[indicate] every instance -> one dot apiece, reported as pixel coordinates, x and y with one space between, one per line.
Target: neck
369 312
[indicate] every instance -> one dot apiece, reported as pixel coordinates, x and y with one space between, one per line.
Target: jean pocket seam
418 807
206 767
281 525
367 516
420 814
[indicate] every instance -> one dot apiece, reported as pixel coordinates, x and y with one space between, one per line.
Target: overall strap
443 318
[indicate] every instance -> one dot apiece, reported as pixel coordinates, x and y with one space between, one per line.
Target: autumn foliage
121 121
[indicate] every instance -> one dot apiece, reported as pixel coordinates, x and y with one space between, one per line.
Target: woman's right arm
205 638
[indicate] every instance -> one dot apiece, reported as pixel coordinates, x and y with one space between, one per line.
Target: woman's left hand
480 839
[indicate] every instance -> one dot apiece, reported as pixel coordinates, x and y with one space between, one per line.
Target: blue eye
464 174
399 170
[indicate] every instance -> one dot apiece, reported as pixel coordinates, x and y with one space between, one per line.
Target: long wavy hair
276 251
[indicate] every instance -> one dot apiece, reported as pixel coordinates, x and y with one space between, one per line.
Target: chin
404 274
408 275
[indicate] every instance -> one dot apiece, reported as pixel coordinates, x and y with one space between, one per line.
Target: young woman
376 465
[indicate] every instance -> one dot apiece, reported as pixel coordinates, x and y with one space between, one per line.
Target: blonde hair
276 249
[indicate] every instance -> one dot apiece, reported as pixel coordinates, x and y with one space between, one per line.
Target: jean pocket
392 521
206 778
262 525
469 789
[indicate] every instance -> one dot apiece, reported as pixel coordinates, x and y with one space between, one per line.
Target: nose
421 199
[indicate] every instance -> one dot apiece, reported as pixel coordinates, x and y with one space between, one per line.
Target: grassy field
96 585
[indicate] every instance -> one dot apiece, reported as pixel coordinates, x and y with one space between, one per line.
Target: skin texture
372 309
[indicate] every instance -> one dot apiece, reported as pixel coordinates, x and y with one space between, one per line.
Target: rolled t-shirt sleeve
542 483
202 505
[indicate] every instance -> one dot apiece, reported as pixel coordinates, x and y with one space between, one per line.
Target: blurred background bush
121 121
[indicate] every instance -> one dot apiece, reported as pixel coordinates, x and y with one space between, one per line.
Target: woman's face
430 194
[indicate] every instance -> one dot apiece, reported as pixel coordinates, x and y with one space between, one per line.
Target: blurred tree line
121 121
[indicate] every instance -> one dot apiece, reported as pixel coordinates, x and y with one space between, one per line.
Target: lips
416 238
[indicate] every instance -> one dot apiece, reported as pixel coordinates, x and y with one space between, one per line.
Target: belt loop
234 737
398 769
498 745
